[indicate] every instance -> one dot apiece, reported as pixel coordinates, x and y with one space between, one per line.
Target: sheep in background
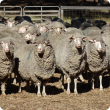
97 57
36 63
10 22
73 30
21 28
91 31
57 27
6 60
31 34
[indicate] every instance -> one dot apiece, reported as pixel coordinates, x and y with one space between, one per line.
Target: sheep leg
68 85
3 88
43 91
75 86
14 81
62 80
81 78
38 92
100 78
92 81
19 86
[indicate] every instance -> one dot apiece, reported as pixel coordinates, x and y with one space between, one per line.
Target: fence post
62 14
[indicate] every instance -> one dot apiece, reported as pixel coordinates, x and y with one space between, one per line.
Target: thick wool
32 66
6 61
69 59
15 34
97 62
106 39
91 31
73 30
32 30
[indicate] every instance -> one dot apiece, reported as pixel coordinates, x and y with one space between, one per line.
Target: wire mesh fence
87 12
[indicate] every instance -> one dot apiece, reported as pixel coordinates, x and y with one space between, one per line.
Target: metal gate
41 11
6 11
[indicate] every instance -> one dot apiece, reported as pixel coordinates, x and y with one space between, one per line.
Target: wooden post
62 14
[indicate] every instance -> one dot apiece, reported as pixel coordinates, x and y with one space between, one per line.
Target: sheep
75 23
57 27
2 19
70 55
106 38
85 25
36 63
11 22
14 34
6 60
91 31
97 57
73 30
23 26
32 34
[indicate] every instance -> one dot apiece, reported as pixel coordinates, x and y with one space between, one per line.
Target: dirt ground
56 98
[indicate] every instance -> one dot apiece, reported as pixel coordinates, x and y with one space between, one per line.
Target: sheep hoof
101 89
19 91
75 93
4 96
62 87
44 94
68 92
14 81
39 95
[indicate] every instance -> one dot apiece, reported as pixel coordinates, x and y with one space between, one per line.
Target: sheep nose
6 49
18 30
100 49
79 44
25 37
39 49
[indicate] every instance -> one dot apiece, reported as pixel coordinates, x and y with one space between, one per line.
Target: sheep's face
97 45
41 48
29 36
43 29
11 24
6 46
58 30
23 29
77 41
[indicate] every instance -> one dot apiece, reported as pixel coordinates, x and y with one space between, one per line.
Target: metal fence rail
6 12
41 11
88 12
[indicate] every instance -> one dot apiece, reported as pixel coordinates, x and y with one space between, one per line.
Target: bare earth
56 98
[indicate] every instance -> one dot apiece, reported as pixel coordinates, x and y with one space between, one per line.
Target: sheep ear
94 41
84 38
5 22
11 42
47 42
90 40
72 37
35 43
16 22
